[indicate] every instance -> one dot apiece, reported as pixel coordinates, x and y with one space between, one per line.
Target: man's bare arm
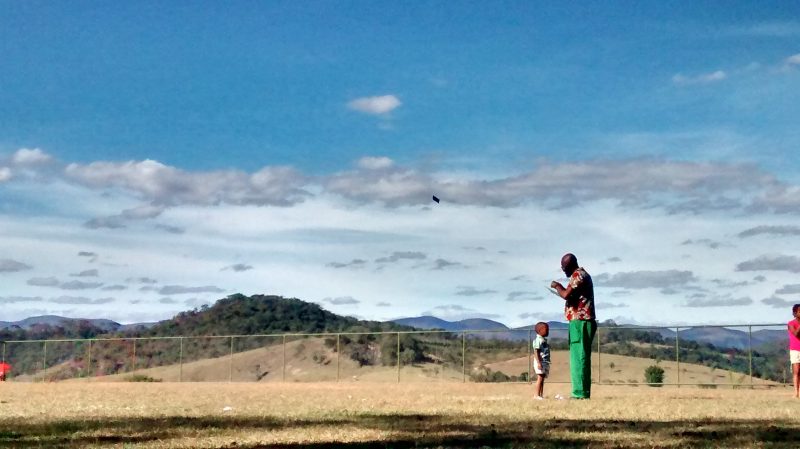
562 292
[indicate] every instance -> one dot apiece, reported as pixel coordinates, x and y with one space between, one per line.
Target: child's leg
539 385
796 378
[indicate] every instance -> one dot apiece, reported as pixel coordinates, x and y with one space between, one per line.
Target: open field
360 415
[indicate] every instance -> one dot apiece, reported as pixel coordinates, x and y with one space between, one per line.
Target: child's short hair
540 326
794 309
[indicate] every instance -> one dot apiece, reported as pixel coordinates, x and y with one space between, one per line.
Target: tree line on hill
242 315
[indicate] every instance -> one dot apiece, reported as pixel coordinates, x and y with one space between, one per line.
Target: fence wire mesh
749 356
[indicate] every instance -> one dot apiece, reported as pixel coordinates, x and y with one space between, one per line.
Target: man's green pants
581 334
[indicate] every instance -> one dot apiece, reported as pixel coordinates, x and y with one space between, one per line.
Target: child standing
541 357
794 348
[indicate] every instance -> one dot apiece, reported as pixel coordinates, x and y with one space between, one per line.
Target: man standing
579 311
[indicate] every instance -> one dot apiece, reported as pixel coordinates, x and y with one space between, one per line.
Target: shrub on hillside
141 378
654 375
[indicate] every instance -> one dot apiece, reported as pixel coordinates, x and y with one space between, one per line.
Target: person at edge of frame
579 311
794 348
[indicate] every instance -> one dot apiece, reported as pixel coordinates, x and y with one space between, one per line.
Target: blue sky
292 148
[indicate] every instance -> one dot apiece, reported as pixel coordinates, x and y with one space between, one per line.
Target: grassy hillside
362 347
234 315
312 360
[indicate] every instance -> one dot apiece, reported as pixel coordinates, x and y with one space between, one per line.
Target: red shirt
580 303
794 342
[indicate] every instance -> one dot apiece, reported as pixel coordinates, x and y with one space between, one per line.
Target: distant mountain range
721 337
55 320
498 330
718 336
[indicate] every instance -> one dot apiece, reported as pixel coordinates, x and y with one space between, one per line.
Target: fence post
283 369
44 361
89 362
599 358
134 356
678 354
398 357
530 343
230 363
464 355
338 351
750 352
180 360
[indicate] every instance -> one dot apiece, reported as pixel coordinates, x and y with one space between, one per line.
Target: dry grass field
360 415
620 369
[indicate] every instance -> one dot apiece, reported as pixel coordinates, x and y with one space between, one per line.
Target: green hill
259 314
235 315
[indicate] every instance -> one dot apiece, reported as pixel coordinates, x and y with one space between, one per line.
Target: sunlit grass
251 415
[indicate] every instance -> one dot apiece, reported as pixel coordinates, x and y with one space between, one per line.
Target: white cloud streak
676 186
771 262
705 78
378 105
11 266
180 290
30 157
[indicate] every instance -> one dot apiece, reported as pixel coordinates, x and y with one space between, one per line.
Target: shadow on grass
413 430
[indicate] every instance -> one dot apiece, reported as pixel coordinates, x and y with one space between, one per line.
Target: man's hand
555 285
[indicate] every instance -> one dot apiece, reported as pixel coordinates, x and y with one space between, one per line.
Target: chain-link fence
704 356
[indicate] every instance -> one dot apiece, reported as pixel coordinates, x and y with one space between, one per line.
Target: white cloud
55 283
723 301
402 255
15 299
375 105
80 300
342 300
472 291
179 289
238 267
771 230
789 289
375 163
43 282
705 78
113 222
777 302
501 227
442 264
141 280
646 279
5 174
679 186
517 296
143 212
793 60
79 285
28 157
771 262
168 186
